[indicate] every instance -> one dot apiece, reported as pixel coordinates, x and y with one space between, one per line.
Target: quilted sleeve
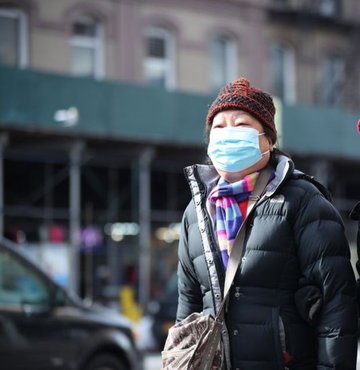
190 297
324 260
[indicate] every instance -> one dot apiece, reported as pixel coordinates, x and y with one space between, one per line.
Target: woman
292 303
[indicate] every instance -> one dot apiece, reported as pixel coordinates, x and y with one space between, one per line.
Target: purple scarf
227 198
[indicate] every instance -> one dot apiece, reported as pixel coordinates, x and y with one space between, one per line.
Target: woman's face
239 118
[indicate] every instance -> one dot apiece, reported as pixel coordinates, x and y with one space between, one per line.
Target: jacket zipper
285 354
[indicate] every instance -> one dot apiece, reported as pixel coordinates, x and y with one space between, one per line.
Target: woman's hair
275 152
272 135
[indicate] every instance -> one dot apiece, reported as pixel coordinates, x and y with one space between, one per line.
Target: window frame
96 43
288 73
170 54
23 37
329 8
231 60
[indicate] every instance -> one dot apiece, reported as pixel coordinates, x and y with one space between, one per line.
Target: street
152 361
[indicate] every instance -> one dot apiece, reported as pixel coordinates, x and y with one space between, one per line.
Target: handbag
195 342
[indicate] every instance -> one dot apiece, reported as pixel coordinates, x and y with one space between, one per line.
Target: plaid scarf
231 201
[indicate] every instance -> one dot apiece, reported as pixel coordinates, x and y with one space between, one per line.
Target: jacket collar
284 168
207 176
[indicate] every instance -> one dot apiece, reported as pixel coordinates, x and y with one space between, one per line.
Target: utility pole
145 159
3 143
75 213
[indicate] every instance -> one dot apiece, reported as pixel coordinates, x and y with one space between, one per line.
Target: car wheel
105 362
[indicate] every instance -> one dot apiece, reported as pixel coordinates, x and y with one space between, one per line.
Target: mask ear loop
269 150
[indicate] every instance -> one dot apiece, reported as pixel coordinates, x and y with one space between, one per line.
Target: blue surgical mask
233 149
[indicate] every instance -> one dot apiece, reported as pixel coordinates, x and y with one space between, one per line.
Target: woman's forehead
233 114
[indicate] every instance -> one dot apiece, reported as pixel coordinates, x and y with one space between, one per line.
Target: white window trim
231 68
170 60
23 50
97 43
328 7
289 74
232 58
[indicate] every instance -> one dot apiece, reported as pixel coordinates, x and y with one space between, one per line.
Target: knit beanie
241 95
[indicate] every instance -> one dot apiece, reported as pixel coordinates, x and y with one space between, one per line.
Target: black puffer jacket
295 289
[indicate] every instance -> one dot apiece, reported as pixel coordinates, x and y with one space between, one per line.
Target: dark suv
43 327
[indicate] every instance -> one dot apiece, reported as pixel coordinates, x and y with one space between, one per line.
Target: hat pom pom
358 126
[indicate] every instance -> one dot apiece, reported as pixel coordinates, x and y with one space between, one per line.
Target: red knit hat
358 126
241 95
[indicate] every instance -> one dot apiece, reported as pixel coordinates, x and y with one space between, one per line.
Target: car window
19 284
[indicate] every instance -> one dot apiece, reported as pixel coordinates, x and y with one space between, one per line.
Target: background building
102 103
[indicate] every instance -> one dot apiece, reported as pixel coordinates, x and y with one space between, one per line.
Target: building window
283 73
329 8
224 61
333 79
87 55
159 63
13 37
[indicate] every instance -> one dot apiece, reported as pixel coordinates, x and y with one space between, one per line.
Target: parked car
44 327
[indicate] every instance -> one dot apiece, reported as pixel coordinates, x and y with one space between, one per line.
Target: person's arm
324 259
190 297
